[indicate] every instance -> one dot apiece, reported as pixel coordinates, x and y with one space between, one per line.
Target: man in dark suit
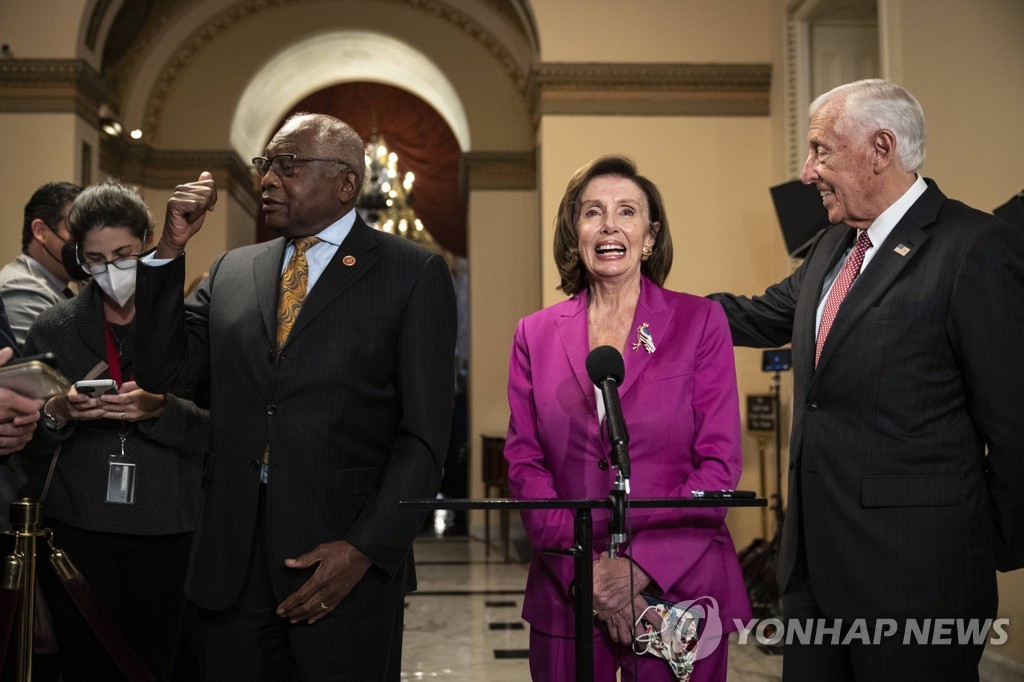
321 419
906 484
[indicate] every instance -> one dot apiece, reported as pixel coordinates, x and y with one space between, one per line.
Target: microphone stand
617 522
620 457
780 513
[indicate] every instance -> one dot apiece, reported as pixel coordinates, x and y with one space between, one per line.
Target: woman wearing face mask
125 487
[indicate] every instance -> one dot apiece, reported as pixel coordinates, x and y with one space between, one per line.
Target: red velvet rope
108 634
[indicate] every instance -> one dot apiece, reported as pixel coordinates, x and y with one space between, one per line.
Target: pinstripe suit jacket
356 408
892 497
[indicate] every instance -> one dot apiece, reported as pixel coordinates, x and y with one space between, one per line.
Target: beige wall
55 37
653 30
38 149
968 74
504 286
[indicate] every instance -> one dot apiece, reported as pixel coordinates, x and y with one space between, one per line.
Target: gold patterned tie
293 289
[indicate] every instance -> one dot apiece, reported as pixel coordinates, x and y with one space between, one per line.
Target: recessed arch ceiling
338 57
152 45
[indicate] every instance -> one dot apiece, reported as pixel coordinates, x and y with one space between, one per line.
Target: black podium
583 533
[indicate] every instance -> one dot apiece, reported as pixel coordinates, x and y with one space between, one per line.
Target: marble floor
464 621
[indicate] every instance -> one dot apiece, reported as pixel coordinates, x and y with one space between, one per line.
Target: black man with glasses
330 359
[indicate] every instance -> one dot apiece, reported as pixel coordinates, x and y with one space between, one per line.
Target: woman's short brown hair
567 257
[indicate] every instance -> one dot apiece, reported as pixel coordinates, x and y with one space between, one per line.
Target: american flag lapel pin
902 249
644 338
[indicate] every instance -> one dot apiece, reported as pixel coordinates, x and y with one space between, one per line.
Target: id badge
121 483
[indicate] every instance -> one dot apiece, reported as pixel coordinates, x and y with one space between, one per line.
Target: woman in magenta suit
613 250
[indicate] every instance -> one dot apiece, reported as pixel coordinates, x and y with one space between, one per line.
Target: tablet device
34 377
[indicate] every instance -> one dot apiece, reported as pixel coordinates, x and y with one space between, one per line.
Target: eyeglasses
284 164
123 263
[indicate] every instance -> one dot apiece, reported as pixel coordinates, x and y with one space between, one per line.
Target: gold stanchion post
25 527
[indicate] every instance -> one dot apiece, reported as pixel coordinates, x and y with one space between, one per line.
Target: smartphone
94 387
35 377
723 494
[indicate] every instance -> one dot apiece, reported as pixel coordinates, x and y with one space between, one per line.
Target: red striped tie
851 268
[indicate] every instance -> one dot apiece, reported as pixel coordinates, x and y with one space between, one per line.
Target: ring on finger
324 606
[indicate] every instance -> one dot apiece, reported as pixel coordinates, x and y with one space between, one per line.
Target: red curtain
423 141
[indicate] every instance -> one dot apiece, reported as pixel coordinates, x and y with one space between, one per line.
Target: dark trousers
863 660
250 642
139 581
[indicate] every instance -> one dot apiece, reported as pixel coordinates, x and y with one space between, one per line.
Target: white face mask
117 284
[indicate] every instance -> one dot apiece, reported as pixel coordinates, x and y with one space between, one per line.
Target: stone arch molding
338 57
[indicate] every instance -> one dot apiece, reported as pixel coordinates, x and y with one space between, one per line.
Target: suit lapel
354 258
650 308
266 271
833 243
572 331
908 236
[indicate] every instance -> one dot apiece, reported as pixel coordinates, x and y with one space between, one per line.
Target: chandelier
386 199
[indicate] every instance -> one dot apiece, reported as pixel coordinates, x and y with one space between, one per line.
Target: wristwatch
50 422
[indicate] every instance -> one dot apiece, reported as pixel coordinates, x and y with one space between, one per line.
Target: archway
316 62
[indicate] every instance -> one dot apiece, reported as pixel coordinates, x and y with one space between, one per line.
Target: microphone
606 370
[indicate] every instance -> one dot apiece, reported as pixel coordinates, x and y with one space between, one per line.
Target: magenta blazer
681 409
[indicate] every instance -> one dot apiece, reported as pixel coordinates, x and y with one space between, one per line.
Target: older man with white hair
906 475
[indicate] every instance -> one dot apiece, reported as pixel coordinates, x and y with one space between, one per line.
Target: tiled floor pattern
463 623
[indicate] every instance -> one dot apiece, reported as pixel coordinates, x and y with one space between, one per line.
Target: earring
647 251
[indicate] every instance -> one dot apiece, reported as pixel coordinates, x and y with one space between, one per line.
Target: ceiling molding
215 26
52 86
498 171
140 164
680 89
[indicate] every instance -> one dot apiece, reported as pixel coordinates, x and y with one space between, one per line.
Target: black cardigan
167 451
